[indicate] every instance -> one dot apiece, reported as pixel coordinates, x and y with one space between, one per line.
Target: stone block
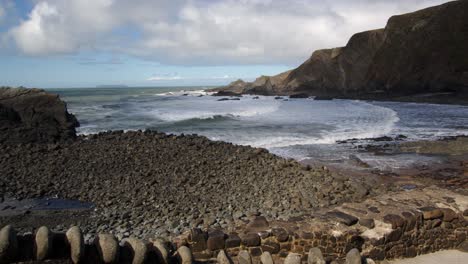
232 241
250 240
395 220
343 218
449 215
394 235
215 240
255 251
281 234
377 253
198 239
307 235
430 213
367 222
271 246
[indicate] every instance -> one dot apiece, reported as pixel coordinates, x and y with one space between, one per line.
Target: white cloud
165 77
176 76
63 26
203 32
221 77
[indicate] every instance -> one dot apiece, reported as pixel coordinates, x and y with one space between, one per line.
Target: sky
87 43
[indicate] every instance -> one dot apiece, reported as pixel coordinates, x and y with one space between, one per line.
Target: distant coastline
417 57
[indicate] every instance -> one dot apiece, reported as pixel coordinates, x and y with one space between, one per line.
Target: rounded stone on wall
185 255
293 258
43 243
353 257
161 251
108 248
8 244
76 242
244 257
315 256
139 250
266 258
223 258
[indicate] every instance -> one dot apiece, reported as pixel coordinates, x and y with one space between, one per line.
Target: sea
302 129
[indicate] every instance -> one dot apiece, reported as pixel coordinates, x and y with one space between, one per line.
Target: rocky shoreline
147 185
165 184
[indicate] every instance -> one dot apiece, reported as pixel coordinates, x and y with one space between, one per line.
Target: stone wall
399 235
405 235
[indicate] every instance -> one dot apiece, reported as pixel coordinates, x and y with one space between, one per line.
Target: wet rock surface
165 184
33 115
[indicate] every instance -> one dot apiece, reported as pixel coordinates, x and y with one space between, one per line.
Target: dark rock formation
33 115
423 53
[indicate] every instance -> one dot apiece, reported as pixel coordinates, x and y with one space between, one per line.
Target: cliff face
424 51
337 71
420 52
33 115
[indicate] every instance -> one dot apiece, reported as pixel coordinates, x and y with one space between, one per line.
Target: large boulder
33 115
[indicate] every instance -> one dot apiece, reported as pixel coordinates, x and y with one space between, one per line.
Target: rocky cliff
416 53
33 115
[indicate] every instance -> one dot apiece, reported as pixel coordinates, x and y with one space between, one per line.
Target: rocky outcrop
416 53
264 85
424 51
33 115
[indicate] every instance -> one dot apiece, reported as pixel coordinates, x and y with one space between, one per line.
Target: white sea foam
289 128
184 92
209 109
363 120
